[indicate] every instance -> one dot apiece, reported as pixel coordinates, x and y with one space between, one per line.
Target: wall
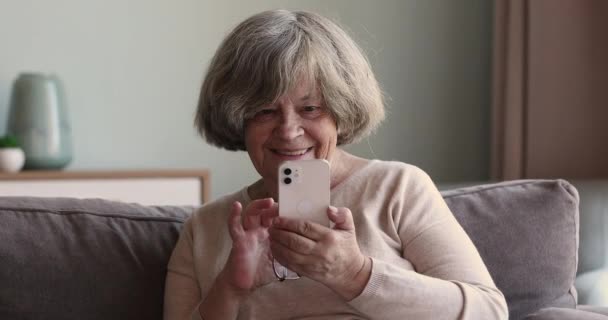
132 69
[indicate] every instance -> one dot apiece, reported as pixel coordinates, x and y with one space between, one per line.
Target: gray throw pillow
84 259
527 234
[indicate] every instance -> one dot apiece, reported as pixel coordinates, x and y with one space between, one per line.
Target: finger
292 241
251 217
235 228
341 217
308 229
261 204
288 258
269 215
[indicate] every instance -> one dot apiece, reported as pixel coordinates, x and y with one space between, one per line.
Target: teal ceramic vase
38 118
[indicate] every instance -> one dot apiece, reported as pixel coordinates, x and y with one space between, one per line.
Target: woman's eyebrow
309 96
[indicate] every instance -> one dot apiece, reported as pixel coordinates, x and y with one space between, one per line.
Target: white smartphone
304 190
303 194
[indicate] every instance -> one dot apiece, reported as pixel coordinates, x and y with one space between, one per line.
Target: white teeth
292 153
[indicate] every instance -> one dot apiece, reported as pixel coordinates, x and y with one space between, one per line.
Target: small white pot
11 159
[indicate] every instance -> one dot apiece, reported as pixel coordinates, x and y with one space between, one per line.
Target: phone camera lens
287 171
287 180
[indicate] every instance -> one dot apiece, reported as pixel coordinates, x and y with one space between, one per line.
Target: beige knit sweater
424 266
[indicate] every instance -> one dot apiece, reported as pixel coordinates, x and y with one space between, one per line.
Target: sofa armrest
592 288
565 314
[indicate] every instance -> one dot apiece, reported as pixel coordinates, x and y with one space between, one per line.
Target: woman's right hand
249 265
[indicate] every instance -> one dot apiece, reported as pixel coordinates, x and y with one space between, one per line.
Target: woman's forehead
305 90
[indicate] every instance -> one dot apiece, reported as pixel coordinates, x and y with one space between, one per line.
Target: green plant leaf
8 141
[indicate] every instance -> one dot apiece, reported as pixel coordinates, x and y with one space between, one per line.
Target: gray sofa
96 259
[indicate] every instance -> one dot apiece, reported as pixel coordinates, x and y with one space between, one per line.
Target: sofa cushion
527 234
84 259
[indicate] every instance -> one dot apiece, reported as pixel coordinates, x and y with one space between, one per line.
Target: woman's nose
290 127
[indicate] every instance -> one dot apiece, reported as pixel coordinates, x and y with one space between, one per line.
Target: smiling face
297 126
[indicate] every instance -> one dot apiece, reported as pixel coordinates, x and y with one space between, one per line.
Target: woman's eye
264 114
310 108
312 111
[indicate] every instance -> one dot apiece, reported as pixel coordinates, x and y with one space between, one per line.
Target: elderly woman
293 85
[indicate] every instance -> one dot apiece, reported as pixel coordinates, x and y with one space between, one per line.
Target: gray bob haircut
267 55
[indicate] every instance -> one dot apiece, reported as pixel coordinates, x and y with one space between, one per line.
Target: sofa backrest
527 234
97 259
84 259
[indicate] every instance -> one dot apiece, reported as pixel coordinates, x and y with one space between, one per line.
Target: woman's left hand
328 255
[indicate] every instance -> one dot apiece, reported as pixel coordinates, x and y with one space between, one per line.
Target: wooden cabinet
148 187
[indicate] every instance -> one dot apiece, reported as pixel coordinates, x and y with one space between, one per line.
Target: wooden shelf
202 175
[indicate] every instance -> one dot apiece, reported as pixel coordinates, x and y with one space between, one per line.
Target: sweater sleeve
450 280
182 293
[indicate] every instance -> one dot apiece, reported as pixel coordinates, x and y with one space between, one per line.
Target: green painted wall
132 69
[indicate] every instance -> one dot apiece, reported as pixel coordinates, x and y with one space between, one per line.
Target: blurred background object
12 157
133 69
38 118
550 99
